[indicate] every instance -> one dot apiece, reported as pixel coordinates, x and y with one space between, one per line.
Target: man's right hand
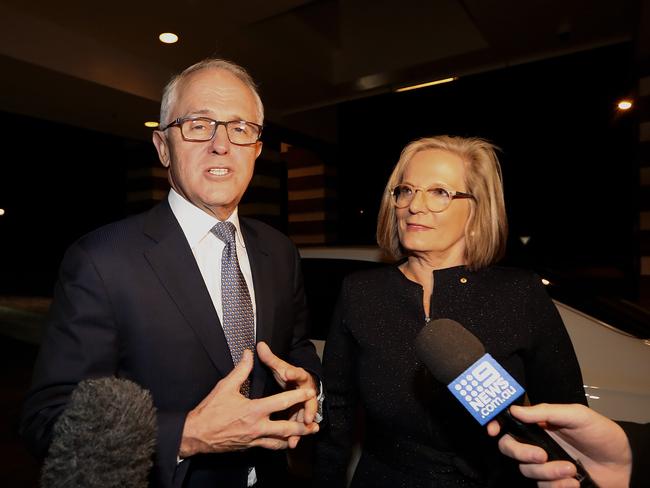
225 420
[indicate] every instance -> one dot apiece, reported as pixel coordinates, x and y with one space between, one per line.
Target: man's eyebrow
205 111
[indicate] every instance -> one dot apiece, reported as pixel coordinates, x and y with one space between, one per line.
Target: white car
615 364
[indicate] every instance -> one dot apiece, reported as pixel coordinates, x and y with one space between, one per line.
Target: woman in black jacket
443 214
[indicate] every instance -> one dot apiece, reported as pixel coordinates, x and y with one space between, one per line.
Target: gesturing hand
292 377
225 420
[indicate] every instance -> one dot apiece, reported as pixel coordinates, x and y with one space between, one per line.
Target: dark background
569 163
568 157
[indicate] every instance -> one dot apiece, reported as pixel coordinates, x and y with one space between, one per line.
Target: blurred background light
168 37
624 105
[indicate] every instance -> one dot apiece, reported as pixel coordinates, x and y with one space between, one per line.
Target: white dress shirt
208 248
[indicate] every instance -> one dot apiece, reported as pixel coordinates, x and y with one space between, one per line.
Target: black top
416 433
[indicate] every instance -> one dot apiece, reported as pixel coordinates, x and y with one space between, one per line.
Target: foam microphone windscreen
447 349
105 437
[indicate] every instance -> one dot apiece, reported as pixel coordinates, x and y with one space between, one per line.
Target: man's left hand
289 377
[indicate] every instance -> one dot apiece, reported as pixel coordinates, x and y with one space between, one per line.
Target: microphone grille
105 437
447 349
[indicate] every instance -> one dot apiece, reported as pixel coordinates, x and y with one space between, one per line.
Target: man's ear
258 149
162 146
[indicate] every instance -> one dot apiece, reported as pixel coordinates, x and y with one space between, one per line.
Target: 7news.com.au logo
485 389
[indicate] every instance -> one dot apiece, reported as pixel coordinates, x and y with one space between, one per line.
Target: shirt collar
196 223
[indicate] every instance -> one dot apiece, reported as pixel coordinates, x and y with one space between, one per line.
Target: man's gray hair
169 93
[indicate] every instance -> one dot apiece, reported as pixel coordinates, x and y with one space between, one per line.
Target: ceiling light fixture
624 105
430 83
168 37
151 124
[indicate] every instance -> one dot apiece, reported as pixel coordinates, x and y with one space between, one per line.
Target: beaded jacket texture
414 432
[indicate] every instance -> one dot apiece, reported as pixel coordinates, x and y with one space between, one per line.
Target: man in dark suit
176 298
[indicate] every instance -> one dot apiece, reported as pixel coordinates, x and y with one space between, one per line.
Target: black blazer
130 301
416 434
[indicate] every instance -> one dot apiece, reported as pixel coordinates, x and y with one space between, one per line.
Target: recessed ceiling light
625 105
430 83
151 124
168 37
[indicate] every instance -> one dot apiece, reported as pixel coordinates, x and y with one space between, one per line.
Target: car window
620 313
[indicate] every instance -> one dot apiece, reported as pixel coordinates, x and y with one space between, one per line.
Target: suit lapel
263 283
173 262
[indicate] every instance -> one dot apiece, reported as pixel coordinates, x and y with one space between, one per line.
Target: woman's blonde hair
487 228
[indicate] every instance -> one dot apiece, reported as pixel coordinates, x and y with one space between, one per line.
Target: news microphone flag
485 389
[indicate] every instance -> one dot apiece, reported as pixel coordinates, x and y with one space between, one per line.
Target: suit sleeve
303 352
639 437
82 340
552 370
334 444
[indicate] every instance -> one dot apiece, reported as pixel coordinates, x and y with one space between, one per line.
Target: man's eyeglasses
201 129
436 199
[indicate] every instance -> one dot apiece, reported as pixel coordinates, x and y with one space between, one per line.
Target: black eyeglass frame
181 120
453 195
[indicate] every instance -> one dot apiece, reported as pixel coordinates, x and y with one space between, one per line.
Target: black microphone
105 437
457 358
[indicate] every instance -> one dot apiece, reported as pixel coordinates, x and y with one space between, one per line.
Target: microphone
105 437
457 358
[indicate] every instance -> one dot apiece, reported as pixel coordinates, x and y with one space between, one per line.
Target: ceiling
100 65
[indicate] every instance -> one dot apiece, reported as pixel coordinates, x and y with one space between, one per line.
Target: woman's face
438 235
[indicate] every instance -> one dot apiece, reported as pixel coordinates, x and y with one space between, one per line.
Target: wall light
624 105
168 37
545 282
151 124
2 212
423 85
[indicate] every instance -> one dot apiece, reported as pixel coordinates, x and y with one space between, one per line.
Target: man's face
212 175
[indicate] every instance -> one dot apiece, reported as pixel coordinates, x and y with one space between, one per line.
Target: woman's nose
418 204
